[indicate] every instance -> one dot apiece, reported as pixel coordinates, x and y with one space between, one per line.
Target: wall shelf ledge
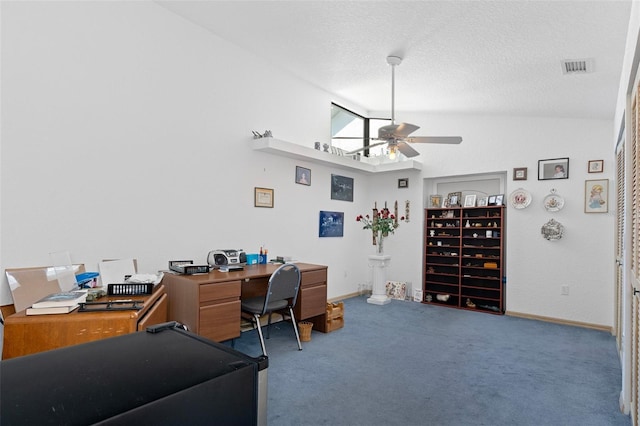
299 152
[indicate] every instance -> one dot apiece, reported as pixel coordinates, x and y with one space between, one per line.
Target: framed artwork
331 224
303 176
263 197
454 199
470 200
482 201
596 166
403 183
435 201
520 173
554 168
495 200
341 188
596 196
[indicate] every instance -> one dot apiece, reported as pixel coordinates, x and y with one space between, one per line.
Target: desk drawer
221 321
219 291
314 277
312 301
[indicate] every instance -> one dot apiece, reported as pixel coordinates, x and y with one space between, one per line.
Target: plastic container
252 259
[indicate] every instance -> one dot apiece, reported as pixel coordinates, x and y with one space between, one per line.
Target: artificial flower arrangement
382 223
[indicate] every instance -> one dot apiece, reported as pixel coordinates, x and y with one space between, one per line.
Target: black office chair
281 296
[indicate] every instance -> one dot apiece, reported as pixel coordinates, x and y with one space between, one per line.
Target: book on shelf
51 310
67 298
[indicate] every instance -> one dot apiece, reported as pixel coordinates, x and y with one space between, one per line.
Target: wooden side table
28 334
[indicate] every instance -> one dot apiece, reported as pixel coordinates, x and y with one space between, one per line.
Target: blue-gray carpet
406 363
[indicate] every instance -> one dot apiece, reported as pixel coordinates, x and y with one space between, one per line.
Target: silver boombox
217 258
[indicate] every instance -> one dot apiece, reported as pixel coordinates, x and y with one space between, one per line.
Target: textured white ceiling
487 57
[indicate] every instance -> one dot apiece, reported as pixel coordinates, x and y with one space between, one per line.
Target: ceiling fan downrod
393 61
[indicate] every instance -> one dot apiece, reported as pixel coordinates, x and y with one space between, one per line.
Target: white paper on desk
114 271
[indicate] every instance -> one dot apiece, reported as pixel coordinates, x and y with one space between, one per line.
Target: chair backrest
284 283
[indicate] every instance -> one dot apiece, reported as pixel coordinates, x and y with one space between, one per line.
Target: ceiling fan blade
366 147
406 149
396 131
435 139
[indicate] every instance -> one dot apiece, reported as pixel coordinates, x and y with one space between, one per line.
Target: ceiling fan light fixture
392 152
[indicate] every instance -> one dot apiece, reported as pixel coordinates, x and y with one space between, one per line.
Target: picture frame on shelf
263 197
596 166
596 196
303 176
483 201
403 183
454 199
491 200
553 168
341 188
331 224
499 199
470 200
520 173
435 201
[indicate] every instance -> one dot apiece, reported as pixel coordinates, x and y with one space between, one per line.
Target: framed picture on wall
331 224
596 166
403 183
520 173
596 196
263 197
554 168
303 176
341 188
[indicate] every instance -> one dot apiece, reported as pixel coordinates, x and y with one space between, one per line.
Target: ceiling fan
397 135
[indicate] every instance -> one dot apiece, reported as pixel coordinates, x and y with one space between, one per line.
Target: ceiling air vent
577 66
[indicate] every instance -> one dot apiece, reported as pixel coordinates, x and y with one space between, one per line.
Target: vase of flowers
382 224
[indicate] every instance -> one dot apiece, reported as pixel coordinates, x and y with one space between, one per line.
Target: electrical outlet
564 290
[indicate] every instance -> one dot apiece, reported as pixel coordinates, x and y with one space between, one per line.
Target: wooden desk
209 304
28 334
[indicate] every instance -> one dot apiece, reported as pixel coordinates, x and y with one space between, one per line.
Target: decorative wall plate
520 198
553 202
552 230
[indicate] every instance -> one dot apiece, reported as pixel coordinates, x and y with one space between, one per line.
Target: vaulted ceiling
469 57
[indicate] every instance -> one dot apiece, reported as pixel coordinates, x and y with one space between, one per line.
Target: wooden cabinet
209 304
28 334
464 258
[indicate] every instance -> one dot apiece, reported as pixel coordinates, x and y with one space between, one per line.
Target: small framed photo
403 183
596 166
435 201
491 200
554 168
454 199
331 224
470 200
482 201
499 199
596 194
520 173
341 188
303 176
263 197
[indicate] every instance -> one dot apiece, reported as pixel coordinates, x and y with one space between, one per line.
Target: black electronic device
187 267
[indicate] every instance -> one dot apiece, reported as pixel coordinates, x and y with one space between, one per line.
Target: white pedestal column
379 293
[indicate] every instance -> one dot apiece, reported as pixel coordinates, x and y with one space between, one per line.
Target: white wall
126 132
